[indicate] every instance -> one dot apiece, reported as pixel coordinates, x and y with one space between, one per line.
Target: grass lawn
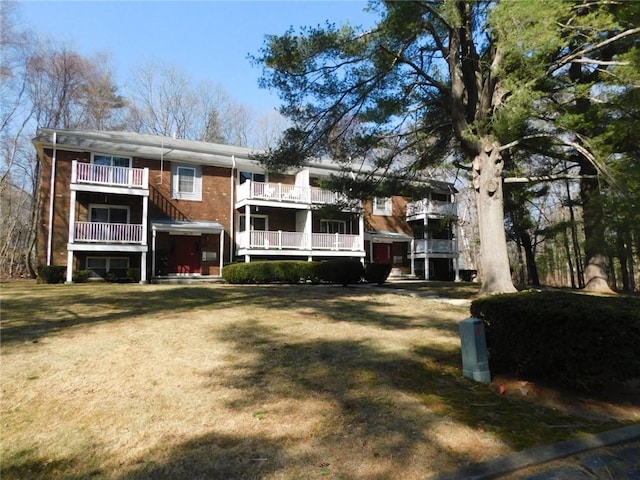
236 382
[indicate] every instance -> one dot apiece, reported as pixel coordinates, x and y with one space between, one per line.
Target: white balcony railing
432 207
111 176
279 240
107 232
434 246
279 192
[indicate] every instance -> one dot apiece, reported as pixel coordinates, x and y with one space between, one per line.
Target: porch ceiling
385 235
186 227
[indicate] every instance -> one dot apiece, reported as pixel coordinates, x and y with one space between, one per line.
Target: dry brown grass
230 382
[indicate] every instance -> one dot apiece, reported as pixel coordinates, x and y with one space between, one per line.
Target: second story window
186 182
111 161
382 206
255 177
108 214
333 226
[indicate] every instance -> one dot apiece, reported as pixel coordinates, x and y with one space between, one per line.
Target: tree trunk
530 259
487 182
596 262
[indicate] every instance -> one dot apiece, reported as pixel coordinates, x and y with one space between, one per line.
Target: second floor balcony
281 193
90 174
431 208
280 240
434 245
115 233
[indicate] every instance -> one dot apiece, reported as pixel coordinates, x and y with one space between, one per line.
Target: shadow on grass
37 311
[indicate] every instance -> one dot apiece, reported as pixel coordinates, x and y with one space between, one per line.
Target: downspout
51 199
232 245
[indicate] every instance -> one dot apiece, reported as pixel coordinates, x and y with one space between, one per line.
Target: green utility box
475 360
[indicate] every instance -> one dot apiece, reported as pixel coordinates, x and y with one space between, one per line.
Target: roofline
177 149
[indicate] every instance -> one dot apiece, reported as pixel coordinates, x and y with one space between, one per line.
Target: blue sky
209 40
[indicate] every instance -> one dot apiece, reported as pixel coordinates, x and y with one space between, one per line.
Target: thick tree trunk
487 181
596 262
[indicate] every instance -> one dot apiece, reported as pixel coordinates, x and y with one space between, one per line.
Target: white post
143 267
145 213
153 252
361 230
72 218
413 256
221 251
69 266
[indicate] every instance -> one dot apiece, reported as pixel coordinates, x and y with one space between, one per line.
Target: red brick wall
394 223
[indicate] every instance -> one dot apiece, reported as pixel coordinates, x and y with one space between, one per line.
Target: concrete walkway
612 455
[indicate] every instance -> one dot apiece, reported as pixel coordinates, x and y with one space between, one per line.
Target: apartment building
113 201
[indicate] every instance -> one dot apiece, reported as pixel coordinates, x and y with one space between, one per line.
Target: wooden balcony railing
110 176
279 192
279 240
434 246
96 232
432 207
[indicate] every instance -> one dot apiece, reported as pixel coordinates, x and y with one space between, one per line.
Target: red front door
382 253
185 254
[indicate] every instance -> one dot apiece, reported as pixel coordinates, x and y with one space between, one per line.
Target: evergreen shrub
377 272
285 271
133 274
578 340
343 271
51 273
81 276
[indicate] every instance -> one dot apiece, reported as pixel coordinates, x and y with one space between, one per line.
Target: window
108 214
333 226
111 161
100 266
255 177
258 222
441 197
186 182
382 206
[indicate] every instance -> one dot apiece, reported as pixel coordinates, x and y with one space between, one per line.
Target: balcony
428 246
115 233
279 192
89 176
279 240
432 207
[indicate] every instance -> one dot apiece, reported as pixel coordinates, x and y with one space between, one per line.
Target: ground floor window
102 266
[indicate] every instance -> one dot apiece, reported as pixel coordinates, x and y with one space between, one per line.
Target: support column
413 257
221 251
69 266
143 267
72 236
153 252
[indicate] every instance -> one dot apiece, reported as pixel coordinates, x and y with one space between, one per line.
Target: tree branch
591 48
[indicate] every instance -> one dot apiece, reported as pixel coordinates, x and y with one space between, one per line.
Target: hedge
377 272
581 341
286 271
52 273
342 271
